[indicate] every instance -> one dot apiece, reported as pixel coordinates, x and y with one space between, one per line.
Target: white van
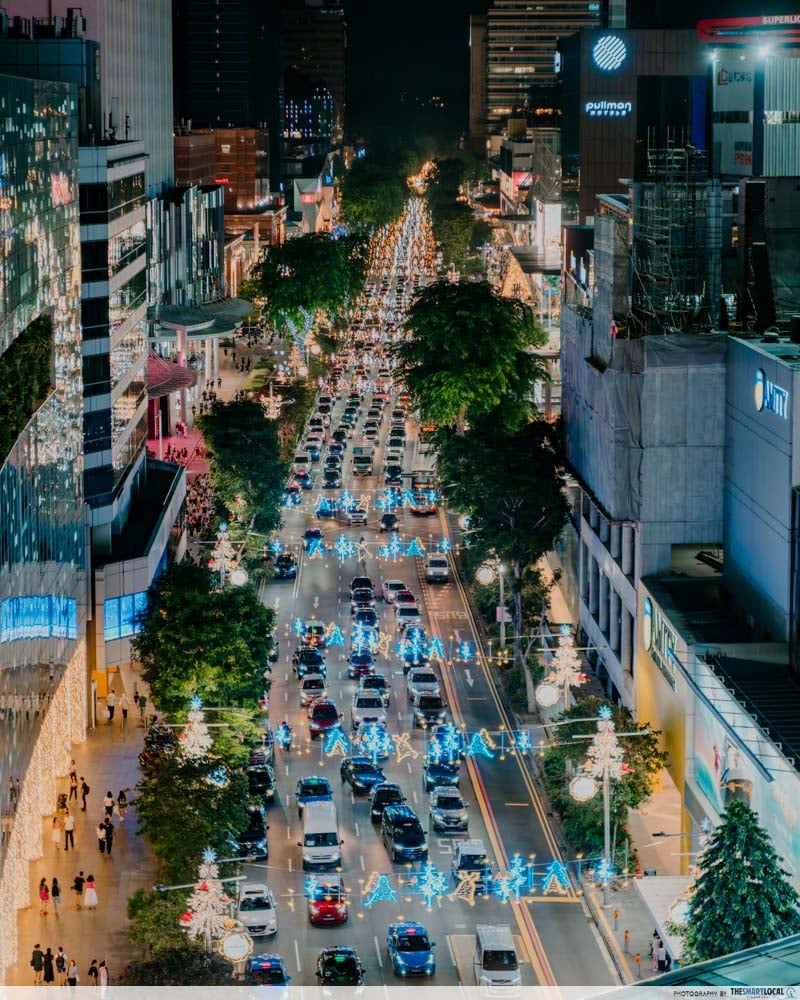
437 569
321 843
495 963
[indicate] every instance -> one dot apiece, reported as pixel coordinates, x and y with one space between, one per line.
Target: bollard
637 958
616 918
627 939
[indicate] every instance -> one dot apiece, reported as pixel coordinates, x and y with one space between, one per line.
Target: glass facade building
42 532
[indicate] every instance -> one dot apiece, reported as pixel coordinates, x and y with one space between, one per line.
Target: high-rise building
521 42
314 41
477 82
43 554
135 69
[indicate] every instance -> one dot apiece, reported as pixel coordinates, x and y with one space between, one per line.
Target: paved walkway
108 760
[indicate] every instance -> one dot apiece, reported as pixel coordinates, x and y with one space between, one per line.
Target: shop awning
164 377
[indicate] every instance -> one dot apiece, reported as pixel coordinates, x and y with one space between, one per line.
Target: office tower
477 82
135 69
42 532
521 42
315 48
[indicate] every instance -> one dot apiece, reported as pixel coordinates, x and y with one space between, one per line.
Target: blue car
410 949
267 970
441 773
360 773
312 789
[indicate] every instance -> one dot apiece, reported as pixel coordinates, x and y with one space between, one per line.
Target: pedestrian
37 964
55 833
90 894
55 892
49 975
108 803
73 786
142 706
109 828
122 804
44 897
61 967
69 832
84 792
219 383
111 704
77 887
12 792
100 832
93 972
124 705
72 973
662 957
103 973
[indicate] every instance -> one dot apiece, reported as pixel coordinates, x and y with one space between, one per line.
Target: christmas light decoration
343 547
556 879
376 741
336 744
415 548
478 746
333 635
565 673
435 650
378 890
195 739
208 906
466 887
310 886
276 547
283 736
316 548
403 748
443 545
466 652
431 883
298 626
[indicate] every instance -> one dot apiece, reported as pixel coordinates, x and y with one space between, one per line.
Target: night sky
416 48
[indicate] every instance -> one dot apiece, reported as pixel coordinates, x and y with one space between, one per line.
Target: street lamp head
485 574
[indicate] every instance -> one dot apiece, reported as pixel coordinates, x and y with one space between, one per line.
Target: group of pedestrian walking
48 893
63 971
661 958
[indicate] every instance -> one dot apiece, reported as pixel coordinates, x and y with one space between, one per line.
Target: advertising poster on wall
725 773
733 113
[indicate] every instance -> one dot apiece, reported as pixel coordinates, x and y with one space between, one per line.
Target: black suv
308 661
339 967
286 566
382 795
402 834
251 843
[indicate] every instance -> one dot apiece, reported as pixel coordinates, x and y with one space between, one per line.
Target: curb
610 941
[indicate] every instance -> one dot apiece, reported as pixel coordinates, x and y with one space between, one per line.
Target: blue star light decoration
276 547
519 876
209 856
375 741
218 777
347 501
604 713
604 871
446 745
444 545
298 626
378 890
502 888
466 652
196 703
431 883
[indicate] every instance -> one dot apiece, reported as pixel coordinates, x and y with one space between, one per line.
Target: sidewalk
109 759
635 918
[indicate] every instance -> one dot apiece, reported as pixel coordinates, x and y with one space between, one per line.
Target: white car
256 909
406 614
390 589
312 688
367 707
421 680
393 456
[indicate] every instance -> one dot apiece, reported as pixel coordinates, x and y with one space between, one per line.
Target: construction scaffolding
677 235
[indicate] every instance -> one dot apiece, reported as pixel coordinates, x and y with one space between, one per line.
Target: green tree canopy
583 822
247 472
187 965
372 193
453 224
183 809
470 352
196 639
153 920
307 274
743 896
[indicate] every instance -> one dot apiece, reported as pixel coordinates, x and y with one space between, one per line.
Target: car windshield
387 795
408 612
449 802
419 942
367 702
267 977
328 893
362 594
409 831
366 767
255 829
341 967
251 903
329 839
497 961
313 684
324 713
309 788
310 656
426 679
474 861
430 702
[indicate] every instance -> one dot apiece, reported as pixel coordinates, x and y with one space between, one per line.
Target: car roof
254 889
470 846
400 812
403 926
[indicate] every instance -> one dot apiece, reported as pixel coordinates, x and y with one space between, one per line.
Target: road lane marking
378 950
358 832
288 832
297 955
450 949
290 865
524 805
414 795
361 859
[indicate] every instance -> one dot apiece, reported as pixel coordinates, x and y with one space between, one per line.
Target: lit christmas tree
742 898
208 907
195 739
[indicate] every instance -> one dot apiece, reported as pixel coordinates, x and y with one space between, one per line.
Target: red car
323 716
327 901
404 597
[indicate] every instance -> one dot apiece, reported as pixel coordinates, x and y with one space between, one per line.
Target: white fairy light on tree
565 674
208 908
195 738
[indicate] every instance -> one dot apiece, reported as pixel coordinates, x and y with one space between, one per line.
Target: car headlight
341 909
437 816
314 910
429 960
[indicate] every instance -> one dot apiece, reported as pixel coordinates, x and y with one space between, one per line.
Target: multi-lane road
557 941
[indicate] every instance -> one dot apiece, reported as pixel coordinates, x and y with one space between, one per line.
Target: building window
120 615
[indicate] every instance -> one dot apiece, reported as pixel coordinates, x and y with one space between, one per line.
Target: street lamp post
500 575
